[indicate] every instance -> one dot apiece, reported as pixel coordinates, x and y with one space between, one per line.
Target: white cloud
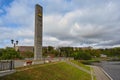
28 41
18 22
25 33
1 11
75 23
89 25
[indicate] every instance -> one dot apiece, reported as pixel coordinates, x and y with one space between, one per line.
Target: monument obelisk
38 33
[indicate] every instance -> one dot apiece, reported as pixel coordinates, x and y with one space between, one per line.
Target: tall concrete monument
38 33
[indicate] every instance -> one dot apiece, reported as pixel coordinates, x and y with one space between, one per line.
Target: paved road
100 75
112 68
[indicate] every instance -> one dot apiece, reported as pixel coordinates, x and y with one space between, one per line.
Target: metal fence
6 65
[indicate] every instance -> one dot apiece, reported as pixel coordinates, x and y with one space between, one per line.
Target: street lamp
14 44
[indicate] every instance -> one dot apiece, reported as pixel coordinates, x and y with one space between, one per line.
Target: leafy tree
55 52
50 48
82 56
1 52
66 51
10 53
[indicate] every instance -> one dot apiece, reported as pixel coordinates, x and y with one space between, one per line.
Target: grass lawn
84 66
81 65
57 71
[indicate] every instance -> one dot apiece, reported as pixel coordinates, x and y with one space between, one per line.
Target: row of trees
81 53
70 52
11 53
77 53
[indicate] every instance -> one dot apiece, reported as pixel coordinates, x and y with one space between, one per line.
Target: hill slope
56 71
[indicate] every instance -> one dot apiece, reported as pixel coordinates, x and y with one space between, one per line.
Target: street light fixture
14 44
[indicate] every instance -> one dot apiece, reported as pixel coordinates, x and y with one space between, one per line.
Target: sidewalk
100 75
6 72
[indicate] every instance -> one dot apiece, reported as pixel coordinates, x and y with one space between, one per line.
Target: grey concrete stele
38 33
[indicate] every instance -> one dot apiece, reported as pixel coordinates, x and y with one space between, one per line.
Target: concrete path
6 72
100 75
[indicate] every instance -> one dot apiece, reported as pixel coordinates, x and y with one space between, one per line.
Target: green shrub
82 56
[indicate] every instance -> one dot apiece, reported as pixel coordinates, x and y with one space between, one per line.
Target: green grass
57 71
84 66
81 65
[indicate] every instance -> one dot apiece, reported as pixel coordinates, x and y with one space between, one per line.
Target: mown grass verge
58 71
81 65
87 67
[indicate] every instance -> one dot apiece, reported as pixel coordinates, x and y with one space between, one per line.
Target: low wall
6 65
21 63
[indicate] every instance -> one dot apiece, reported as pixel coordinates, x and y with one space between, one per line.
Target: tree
66 51
82 56
1 53
10 53
50 48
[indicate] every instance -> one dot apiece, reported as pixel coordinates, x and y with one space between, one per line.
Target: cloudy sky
77 23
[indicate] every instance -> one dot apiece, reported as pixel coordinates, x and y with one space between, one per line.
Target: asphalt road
112 68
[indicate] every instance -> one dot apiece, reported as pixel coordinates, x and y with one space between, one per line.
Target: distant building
103 55
25 48
22 49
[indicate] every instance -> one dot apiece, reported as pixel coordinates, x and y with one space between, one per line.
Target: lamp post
14 43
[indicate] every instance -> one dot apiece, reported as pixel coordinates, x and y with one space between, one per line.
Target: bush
89 62
82 56
86 62
9 53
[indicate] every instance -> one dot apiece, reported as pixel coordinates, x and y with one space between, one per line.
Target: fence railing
6 65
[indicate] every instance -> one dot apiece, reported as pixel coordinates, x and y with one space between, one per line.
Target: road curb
106 73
